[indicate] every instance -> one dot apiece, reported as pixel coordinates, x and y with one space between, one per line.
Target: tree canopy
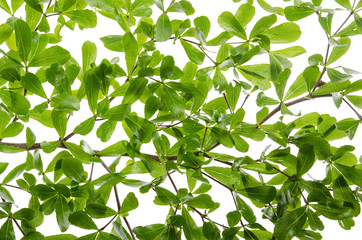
145 127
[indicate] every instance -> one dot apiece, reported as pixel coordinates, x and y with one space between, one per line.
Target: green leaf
173 101
203 201
290 52
262 194
314 222
281 82
15 172
113 42
16 102
62 213
106 129
61 237
167 66
240 144
7 230
331 87
82 220
219 81
89 54
58 78
85 127
4 5
24 214
23 39
355 100
73 169
148 232
163 28
232 95
44 192
268 8
135 90
129 203
64 102
229 23
291 224
333 212
191 231
262 25
159 4
193 53
284 33
85 18
130 51
12 130
295 13
118 113
310 75
10 74
344 3
306 159
297 88
354 87
49 56
96 210
233 218
353 174
358 21
336 76
92 90
59 119
340 50
245 13
31 83
5 32
166 196
211 231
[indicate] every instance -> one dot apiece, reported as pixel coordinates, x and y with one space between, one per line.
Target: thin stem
353 109
293 179
246 98
129 228
207 55
345 21
236 205
227 102
203 139
91 173
18 225
217 181
172 182
101 229
304 199
299 100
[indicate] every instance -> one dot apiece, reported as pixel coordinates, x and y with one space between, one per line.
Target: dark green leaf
333 212
31 83
59 119
135 90
152 231
7 230
62 213
291 224
96 210
263 194
73 169
23 39
129 203
306 159
163 28
131 51
229 23
82 220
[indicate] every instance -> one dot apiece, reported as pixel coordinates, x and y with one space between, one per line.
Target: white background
313 40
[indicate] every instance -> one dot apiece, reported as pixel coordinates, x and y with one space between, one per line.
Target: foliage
183 113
